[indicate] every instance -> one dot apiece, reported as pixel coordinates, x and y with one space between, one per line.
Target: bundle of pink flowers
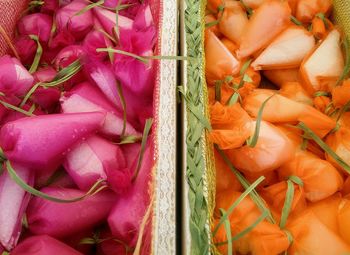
76 102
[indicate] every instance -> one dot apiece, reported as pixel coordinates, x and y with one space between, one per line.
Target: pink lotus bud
87 161
49 6
5 111
143 18
13 203
95 40
43 245
14 78
68 55
45 74
130 208
135 75
108 20
86 98
13 115
41 142
61 220
46 98
61 39
38 24
77 25
26 48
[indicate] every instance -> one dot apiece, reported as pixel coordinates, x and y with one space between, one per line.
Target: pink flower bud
46 98
144 18
68 55
95 40
41 142
14 78
45 74
43 245
108 20
38 24
50 6
13 203
85 97
77 25
62 220
130 208
26 48
87 161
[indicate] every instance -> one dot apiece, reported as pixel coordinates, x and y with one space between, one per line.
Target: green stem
38 54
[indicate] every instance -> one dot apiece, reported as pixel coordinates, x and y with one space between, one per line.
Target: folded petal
43 245
61 220
38 24
41 142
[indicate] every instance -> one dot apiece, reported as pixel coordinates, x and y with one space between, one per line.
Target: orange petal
209 19
339 142
272 150
287 50
219 61
233 21
307 9
270 19
320 178
231 46
321 103
346 187
296 92
281 76
325 62
341 94
344 220
318 28
311 237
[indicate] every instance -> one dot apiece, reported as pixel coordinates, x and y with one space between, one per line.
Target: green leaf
122 52
233 99
5 253
25 221
288 202
248 9
89 7
228 233
218 85
322 16
225 216
130 139
321 94
221 9
146 131
253 140
17 109
246 230
30 93
87 240
97 187
245 66
295 21
38 54
246 78
346 69
324 146
245 183
123 103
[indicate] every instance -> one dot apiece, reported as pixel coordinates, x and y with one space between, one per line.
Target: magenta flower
144 18
108 20
77 25
95 40
13 203
45 74
62 220
87 162
86 98
68 55
43 245
14 78
49 6
135 75
38 24
41 142
129 210
61 39
26 48
46 98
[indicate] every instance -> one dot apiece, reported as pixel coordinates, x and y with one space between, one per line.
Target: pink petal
45 74
68 55
43 245
143 18
87 161
129 210
50 6
14 78
42 141
13 203
86 98
61 220
78 26
108 20
95 40
46 98
38 24
61 39
26 49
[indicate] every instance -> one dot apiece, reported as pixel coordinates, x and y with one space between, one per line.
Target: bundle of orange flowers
279 99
